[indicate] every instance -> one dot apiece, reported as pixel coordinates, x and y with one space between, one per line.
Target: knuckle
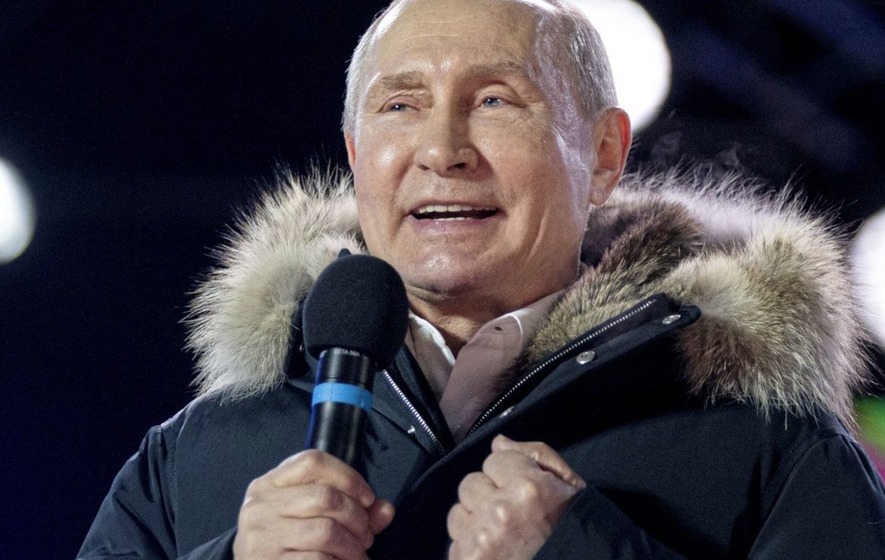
329 498
453 520
307 460
333 537
311 456
526 490
537 447
325 530
464 484
250 512
256 487
302 461
501 513
489 461
484 539
467 483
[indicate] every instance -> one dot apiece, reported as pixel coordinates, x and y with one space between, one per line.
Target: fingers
321 501
509 509
380 515
475 494
311 503
474 490
465 543
271 537
542 455
311 466
456 520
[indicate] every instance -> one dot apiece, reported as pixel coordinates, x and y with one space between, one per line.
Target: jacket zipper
484 417
441 450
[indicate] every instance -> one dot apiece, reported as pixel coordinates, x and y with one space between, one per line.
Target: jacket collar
778 325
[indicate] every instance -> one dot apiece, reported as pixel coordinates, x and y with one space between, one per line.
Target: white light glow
638 54
868 262
16 214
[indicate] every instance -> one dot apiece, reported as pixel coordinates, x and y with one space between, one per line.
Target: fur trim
240 320
778 325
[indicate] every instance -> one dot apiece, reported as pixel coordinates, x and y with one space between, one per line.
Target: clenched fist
510 508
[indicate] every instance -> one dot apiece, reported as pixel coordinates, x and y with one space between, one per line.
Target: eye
397 107
492 102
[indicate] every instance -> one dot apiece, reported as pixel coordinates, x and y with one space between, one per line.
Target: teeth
449 208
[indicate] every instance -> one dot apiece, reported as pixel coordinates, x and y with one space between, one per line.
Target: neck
458 317
457 324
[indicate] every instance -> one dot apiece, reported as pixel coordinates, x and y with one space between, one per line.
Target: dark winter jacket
698 377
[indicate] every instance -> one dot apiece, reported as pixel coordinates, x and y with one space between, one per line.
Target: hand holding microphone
355 320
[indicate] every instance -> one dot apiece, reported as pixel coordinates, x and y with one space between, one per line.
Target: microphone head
359 303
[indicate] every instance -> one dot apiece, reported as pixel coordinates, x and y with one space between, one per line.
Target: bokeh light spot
16 214
638 54
868 263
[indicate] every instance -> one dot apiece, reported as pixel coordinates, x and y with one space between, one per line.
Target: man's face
472 166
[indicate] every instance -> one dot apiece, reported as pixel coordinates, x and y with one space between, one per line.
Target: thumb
543 455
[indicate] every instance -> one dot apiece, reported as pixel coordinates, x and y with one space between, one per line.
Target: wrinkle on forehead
538 8
527 18
435 19
408 78
410 21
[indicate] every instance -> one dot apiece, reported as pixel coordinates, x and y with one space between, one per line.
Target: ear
611 143
351 149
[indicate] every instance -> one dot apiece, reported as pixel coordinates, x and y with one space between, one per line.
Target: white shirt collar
466 386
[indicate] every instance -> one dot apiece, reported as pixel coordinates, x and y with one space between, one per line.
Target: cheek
377 172
565 207
368 212
385 150
388 156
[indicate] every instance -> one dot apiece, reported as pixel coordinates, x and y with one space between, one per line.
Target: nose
444 145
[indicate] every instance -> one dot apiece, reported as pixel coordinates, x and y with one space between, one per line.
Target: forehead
442 32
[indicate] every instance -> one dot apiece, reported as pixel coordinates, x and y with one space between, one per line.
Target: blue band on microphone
342 393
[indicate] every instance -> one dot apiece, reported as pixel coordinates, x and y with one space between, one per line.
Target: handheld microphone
355 320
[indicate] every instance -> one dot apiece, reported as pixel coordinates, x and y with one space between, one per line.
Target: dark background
142 126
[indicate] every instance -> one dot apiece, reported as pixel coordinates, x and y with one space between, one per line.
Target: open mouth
453 212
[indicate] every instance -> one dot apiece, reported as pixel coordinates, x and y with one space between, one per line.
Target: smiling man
475 166
662 370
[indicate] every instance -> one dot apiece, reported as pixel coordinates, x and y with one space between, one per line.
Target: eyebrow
505 68
412 78
400 80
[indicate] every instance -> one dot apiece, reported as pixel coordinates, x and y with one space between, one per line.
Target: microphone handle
342 399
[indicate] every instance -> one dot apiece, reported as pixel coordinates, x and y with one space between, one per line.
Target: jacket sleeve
136 519
831 506
594 523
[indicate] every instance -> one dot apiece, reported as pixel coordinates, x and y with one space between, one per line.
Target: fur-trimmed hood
778 325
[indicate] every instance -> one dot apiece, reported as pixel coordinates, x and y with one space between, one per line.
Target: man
664 376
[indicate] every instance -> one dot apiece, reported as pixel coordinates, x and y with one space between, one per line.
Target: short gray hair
571 39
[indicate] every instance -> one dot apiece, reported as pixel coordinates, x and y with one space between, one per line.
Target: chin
437 284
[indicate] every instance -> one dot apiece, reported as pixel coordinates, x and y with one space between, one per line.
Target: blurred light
638 54
16 214
868 263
